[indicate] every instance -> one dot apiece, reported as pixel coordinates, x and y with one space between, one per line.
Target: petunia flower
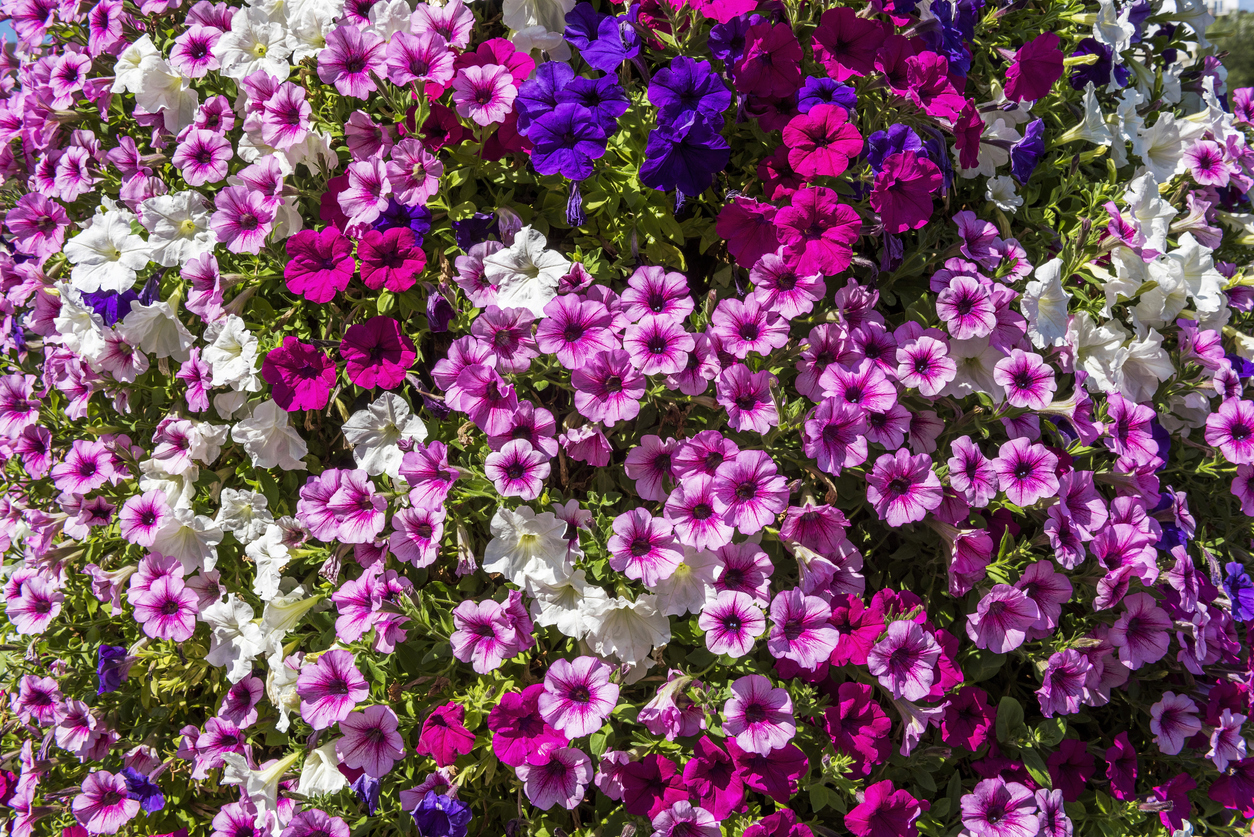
997 808
377 354
1001 619
770 64
556 776
821 142
885 811
759 715
370 741
684 155
1035 68
818 232
903 488
1025 471
578 696
643 547
301 375
903 189
731 621
846 44
351 59
905 660
330 688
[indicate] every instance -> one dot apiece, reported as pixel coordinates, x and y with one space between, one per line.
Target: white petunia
205 441
179 489
126 72
106 255
375 432
253 43
1161 148
389 17
686 589
527 548
1097 349
1092 128
1145 366
573 606
283 613
235 639
157 331
1001 191
526 275
551 14
321 772
178 227
1112 28
232 351
269 440
1150 214
1196 268
259 786
165 90
540 42
192 538
82 330
993 155
245 514
270 555
630 630
1044 305
975 358
308 24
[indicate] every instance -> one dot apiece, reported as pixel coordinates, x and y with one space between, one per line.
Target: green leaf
819 795
1009 719
1050 731
982 664
923 779
599 742
1036 766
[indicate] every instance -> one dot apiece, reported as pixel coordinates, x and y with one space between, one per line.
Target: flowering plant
553 417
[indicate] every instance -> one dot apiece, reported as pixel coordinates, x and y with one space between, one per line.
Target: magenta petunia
903 190
517 727
319 264
390 260
821 142
300 375
377 353
770 64
847 44
1035 68
444 736
885 811
818 231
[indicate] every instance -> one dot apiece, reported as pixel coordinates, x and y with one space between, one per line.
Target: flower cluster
709 419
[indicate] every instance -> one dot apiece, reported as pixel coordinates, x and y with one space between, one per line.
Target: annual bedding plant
732 418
